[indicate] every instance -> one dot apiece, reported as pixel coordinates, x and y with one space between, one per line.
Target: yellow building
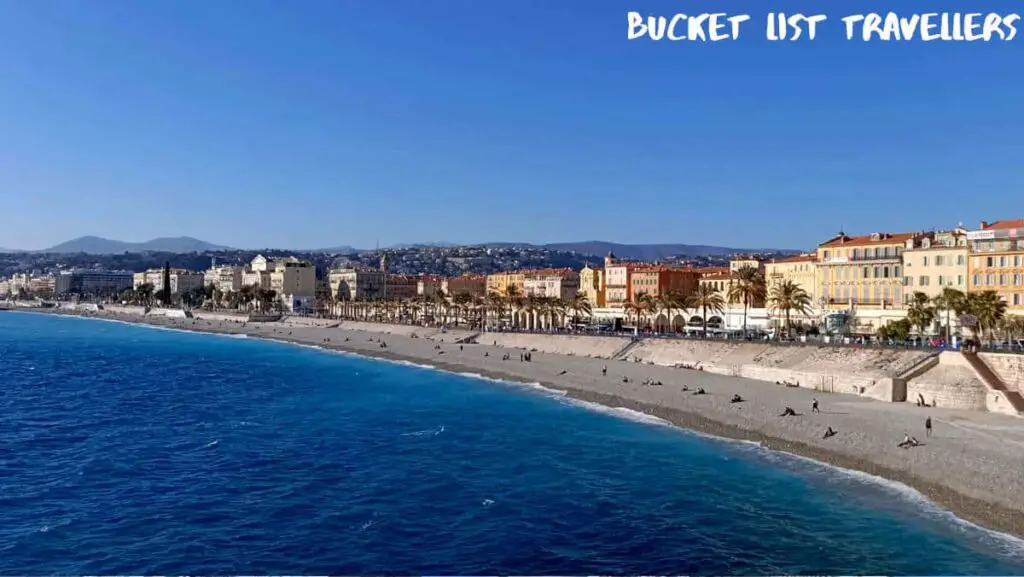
801 270
738 263
499 283
592 285
997 261
934 262
865 272
720 281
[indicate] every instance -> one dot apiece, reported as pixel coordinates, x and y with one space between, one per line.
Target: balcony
861 258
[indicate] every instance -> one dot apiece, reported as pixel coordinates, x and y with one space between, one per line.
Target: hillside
98 245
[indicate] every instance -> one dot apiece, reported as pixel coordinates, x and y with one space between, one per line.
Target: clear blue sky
313 123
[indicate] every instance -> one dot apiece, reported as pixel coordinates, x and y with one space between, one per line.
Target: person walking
928 427
814 406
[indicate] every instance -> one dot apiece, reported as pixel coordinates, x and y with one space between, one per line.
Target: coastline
946 483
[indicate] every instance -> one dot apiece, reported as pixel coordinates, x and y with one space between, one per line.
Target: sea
135 450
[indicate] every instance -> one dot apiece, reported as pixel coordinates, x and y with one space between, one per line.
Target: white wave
529 385
213 443
415 365
425 432
621 412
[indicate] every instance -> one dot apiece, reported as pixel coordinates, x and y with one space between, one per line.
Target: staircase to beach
994 382
624 350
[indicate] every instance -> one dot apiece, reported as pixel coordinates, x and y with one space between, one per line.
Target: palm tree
579 304
670 301
747 287
920 312
705 299
788 296
952 302
989 308
631 308
514 297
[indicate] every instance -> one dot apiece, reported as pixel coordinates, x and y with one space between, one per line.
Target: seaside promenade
971 465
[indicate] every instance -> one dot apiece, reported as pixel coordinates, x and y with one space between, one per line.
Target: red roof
842 240
799 258
1003 224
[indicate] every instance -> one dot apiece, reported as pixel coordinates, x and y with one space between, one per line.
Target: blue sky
304 124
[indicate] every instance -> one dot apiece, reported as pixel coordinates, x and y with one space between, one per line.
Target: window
977 280
1016 299
960 280
1002 280
960 260
1016 261
939 260
940 279
885 272
924 261
1016 279
989 260
908 281
878 272
922 281
867 273
990 279
826 254
896 271
1002 261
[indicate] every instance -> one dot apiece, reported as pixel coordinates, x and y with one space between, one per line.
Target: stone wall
580 346
1008 367
951 384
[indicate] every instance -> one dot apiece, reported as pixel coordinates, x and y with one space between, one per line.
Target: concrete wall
580 346
952 384
1008 367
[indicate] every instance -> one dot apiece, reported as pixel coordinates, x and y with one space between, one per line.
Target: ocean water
131 450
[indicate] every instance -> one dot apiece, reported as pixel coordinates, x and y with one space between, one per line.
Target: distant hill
97 245
642 251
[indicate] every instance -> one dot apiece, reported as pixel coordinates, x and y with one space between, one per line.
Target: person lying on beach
789 412
906 442
487 354
700 391
736 399
563 372
828 433
686 388
625 379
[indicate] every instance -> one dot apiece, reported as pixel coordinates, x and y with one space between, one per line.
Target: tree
896 330
747 287
787 297
671 301
988 308
952 302
579 304
920 312
705 299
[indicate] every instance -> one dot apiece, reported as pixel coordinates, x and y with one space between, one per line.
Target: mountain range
185 244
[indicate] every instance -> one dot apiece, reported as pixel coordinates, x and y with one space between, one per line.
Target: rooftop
1003 224
877 238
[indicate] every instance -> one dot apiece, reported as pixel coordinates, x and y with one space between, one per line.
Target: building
996 261
801 270
473 285
934 262
401 287
92 282
719 282
863 272
738 263
561 284
500 283
294 282
227 279
349 284
618 288
429 285
659 280
182 280
592 286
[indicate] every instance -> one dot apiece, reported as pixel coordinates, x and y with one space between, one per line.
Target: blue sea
133 450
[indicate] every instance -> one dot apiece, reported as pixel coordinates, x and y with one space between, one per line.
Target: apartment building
182 280
562 284
474 285
349 284
801 270
226 279
862 271
92 282
934 262
499 283
996 262
429 285
400 286
294 282
618 288
658 280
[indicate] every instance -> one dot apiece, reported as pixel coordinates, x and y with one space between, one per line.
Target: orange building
474 285
997 261
658 280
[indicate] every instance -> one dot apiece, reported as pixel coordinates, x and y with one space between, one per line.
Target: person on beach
928 427
814 406
700 391
736 399
789 412
828 433
604 371
563 372
906 442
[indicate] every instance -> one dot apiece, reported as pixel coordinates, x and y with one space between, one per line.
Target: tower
167 283
610 259
384 274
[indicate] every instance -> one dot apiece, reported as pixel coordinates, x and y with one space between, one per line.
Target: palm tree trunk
704 320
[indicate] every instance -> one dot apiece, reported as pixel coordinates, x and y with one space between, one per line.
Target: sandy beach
971 465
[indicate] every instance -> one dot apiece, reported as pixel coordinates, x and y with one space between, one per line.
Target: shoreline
984 513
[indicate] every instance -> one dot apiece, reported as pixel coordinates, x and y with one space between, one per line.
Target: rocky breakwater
867 372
